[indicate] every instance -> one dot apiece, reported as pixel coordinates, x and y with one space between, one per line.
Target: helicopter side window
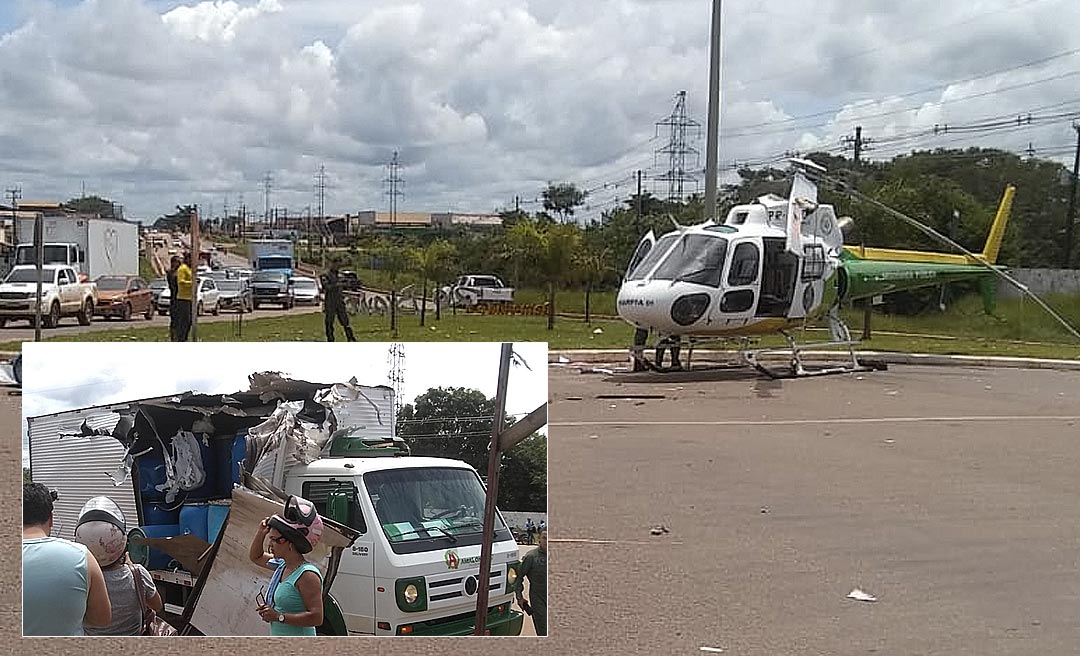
696 259
744 265
658 251
813 262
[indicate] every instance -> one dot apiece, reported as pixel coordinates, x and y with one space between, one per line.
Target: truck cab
414 570
55 253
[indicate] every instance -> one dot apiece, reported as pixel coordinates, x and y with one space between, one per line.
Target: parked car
305 291
271 287
157 285
209 298
471 290
123 296
235 295
62 295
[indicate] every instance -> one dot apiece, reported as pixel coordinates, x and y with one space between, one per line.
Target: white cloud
156 104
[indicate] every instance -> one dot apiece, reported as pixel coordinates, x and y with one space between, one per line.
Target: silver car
305 291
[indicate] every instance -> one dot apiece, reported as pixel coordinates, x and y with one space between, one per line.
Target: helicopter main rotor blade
841 186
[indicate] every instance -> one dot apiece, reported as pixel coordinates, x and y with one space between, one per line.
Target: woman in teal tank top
293 603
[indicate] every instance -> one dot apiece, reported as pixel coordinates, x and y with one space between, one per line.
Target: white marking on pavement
805 422
589 541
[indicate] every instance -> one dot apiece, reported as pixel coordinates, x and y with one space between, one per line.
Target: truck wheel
254 306
198 309
149 314
217 309
52 318
125 314
86 315
3 322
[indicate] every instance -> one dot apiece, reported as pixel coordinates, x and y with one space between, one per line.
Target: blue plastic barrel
160 513
159 559
193 519
151 474
215 517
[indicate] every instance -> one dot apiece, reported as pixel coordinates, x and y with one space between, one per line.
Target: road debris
573 398
564 360
598 331
714 650
631 397
597 370
891 393
764 510
859 595
594 437
659 530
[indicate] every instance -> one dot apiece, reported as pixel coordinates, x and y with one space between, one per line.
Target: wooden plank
227 604
185 548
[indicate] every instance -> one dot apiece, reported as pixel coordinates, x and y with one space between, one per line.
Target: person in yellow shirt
183 299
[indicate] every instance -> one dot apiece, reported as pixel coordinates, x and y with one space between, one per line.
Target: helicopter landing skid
798 368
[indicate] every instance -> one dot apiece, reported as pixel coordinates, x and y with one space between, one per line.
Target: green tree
562 197
593 263
432 263
523 476
103 207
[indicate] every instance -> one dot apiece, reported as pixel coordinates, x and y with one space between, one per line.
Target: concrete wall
1042 281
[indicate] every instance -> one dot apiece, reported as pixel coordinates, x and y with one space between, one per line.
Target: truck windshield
53 255
269 276
30 275
275 262
424 508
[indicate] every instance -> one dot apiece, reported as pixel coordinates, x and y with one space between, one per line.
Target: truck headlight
511 575
411 594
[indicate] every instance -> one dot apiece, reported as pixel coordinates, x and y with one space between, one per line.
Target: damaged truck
198 472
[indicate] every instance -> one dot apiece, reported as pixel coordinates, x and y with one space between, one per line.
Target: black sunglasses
281 539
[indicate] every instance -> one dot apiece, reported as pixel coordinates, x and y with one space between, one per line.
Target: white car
208 298
305 291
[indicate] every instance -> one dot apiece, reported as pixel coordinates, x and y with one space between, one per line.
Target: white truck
472 290
409 528
92 246
62 295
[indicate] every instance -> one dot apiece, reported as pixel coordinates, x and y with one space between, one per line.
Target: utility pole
195 244
320 194
267 182
713 123
1070 221
483 591
640 203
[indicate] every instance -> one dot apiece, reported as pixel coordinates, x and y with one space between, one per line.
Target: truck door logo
452 560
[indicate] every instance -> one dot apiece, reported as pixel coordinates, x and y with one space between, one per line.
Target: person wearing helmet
63 589
293 606
103 530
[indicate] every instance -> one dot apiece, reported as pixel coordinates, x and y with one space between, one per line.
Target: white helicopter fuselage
735 278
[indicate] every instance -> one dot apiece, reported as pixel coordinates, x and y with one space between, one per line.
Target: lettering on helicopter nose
639 302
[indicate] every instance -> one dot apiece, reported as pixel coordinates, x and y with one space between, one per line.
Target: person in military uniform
534 567
334 304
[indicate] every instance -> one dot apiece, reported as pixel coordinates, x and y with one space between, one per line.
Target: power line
746 130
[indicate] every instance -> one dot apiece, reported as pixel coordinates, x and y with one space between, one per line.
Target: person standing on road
170 277
334 304
534 567
63 587
183 299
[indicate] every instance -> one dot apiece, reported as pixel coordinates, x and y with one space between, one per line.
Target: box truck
93 246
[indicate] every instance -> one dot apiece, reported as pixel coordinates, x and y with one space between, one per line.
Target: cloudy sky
153 103
113 372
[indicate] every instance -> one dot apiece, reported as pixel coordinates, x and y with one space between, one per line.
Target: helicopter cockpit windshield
693 258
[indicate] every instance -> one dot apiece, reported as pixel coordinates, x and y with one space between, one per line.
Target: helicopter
774 265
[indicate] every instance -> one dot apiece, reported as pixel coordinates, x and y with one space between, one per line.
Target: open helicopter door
644 246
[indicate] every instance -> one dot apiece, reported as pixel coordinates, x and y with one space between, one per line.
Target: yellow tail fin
997 228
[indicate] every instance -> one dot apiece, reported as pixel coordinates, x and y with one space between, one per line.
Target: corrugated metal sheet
361 413
78 466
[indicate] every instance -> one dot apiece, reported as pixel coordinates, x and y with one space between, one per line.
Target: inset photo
284 489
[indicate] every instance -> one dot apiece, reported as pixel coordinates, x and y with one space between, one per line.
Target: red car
123 296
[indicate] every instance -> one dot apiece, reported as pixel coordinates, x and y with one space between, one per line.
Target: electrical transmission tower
394 183
320 197
267 182
678 150
397 373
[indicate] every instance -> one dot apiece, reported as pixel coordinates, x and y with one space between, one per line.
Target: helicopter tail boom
989 253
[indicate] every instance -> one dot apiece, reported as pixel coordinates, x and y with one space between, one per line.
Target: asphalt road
949 495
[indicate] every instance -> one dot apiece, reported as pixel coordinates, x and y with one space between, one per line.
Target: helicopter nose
635 305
